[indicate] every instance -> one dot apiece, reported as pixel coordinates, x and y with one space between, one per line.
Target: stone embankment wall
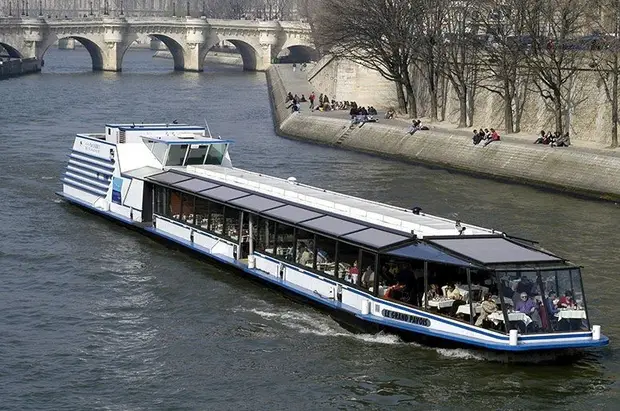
570 170
344 80
18 67
588 113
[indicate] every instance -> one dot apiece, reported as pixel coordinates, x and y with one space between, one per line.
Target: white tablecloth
571 315
464 309
498 317
441 303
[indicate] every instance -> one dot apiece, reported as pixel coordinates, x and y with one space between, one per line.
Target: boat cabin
484 278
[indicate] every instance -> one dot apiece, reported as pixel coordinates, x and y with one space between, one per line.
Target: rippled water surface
94 316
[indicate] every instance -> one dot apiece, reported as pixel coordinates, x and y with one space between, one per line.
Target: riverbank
589 171
18 67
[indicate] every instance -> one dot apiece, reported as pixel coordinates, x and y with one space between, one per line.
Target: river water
94 316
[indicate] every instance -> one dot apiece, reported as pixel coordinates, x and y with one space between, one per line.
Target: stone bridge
188 38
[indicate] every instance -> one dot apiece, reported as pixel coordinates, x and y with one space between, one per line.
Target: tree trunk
462 110
400 95
557 101
508 125
508 114
614 104
471 95
412 104
432 89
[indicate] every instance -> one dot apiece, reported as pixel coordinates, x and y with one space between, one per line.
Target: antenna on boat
207 127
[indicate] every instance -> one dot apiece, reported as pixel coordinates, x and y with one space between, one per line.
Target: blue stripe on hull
335 305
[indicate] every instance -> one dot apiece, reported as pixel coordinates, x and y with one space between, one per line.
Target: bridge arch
251 54
94 50
11 51
299 53
175 49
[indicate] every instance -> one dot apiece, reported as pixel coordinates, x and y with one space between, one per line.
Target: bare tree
431 51
605 53
377 34
555 53
503 71
462 49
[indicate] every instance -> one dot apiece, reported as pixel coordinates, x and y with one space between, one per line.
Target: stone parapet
566 169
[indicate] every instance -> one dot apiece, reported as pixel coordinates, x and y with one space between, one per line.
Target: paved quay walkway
583 168
297 83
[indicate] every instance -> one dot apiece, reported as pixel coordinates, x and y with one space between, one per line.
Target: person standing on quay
294 67
311 98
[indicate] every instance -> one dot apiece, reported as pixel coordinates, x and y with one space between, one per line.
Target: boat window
563 306
215 154
174 210
216 218
405 280
264 235
202 213
161 200
325 255
285 242
348 262
176 154
448 291
545 301
159 151
486 299
367 270
232 222
187 209
196 154
304 249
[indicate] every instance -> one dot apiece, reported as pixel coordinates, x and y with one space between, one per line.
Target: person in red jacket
494 137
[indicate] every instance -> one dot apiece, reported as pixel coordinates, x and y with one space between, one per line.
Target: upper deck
397 218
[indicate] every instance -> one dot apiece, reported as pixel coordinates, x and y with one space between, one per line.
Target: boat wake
306 323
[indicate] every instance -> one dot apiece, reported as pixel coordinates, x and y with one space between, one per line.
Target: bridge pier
114 37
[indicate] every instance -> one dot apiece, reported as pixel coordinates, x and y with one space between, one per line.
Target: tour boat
372 266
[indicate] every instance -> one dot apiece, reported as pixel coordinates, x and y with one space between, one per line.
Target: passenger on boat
433 292
368 278
526 305
487 307
305 257
454 294
551 304
566 301
354 272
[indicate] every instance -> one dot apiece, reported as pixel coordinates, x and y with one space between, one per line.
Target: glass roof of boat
320 221
495 250
428 252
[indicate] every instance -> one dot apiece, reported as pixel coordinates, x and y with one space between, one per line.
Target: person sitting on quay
289 97
302 99
563 141
390 114
477 137
416 125
543 138
372 111
493 137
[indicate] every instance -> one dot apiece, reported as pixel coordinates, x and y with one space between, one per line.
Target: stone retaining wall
568 170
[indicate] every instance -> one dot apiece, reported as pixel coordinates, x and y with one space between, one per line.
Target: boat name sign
395 315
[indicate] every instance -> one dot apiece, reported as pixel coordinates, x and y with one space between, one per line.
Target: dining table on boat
571 314
498 317
440 302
